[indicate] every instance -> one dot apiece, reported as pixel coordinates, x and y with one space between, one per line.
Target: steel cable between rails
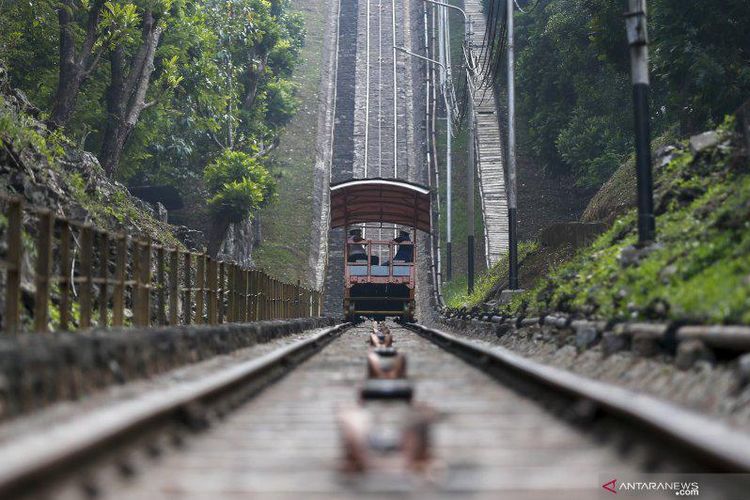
490 33
490 77
499 44
494 46
486 35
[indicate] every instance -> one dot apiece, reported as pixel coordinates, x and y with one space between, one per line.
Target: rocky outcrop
48 171
238 243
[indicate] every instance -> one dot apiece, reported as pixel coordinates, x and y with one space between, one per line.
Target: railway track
538 432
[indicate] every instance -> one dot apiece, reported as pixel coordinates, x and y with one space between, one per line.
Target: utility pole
470 171
471 167
470 193
512 203
445 61
636 27
445 76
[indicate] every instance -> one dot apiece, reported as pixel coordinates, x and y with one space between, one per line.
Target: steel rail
708 442
33 463
395 92
367 91
335 95
380 94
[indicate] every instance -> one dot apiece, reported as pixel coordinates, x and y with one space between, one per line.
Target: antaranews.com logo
677 488
614 485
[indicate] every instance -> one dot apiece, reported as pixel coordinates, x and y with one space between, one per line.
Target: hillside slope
698 270
48 171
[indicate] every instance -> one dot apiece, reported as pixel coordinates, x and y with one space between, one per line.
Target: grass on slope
455 292
286 222
699 269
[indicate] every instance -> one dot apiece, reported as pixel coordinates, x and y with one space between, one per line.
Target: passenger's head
402 236
355 234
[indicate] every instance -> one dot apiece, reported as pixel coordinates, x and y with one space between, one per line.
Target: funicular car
381 218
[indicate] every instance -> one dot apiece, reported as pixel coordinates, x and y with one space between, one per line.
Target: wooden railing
85 277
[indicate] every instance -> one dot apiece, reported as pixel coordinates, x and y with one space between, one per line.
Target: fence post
146 282
104 275
15 257
287 299
174 285
277 299
248 295
274 302
84 298
118 293
135 290
230 292
65 275
187 305
142 287
298 299
243 288
240 300
269 297
200 285
284 299
253 295
221 291
43 268
161 297
211 286
262 296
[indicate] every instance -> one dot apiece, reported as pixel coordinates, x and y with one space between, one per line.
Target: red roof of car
380 200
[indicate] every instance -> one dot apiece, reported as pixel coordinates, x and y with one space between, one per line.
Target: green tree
573 77
238 184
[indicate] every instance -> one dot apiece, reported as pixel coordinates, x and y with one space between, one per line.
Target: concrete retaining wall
36 370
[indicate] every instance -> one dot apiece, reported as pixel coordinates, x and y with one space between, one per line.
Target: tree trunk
254 76
113 145
74 68
126 95
64 102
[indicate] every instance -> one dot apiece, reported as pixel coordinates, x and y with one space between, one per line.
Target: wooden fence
85 277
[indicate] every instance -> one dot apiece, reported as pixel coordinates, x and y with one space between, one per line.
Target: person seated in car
357 250
405 252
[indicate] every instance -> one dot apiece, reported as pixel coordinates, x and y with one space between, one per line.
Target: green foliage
573 70
20 132
222 80
455 293
698 271
239 184
232 90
